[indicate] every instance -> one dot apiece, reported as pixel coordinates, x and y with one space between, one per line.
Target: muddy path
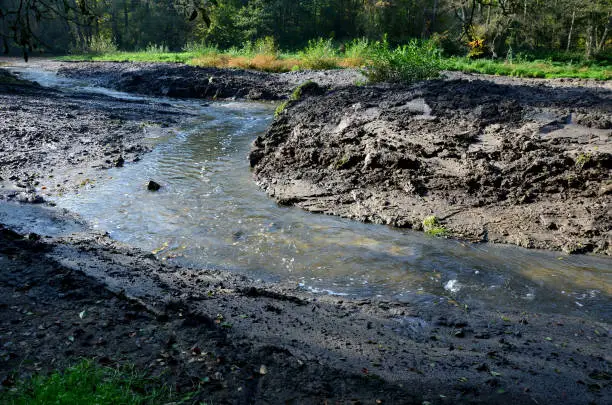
493 159
75 293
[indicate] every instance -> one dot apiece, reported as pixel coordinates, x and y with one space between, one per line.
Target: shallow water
209 213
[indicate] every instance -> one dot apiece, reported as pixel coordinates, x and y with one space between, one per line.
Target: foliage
88 383
432 226
281 108
296 95
254 27
404 64
98 45
319 54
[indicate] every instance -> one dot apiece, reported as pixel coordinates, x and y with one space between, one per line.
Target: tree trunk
434 14
569 36
589 42
602 42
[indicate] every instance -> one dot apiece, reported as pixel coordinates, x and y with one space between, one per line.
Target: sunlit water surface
209 213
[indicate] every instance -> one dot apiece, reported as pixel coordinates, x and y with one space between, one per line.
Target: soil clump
493 160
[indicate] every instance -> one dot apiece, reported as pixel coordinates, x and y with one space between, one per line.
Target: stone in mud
153 186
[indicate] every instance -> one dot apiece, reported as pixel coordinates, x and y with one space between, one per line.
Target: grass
296 95
432 226
545 69
380 62
89 383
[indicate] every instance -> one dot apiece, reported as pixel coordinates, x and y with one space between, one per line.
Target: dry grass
266 63
352 62
274 63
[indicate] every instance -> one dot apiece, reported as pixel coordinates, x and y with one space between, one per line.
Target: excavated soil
239 341
497 160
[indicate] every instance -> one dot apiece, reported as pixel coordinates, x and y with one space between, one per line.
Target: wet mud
493 160
78 294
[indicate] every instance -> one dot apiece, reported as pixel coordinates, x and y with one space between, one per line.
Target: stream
209 213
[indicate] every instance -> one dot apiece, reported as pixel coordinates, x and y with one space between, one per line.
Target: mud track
212 330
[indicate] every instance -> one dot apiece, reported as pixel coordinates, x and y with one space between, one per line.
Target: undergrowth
432 226
379 61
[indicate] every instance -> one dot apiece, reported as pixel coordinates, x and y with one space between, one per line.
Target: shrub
200 48
432 226
319 54
100 44
404 64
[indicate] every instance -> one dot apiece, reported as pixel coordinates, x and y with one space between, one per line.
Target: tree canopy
487 27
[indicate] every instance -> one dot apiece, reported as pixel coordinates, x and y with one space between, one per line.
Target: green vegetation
281 107
564 38
432 226
295 96
582 160
379 61
536 68
89 383
404 64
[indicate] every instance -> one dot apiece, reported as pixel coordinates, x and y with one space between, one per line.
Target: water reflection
210 213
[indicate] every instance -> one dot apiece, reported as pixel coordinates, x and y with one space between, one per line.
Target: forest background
566 31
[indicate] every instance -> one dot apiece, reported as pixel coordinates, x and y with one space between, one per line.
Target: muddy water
209 213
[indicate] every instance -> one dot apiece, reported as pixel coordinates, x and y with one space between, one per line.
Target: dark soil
49 137
236 340
498 160
177 80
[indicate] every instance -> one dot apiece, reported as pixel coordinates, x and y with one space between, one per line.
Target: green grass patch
89 383
281 107
545 69
141 56
432 226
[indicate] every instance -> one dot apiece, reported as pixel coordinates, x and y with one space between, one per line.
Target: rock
153 186
119 162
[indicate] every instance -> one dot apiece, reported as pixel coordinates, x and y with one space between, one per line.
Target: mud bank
239 341
500 160
52 141
178 80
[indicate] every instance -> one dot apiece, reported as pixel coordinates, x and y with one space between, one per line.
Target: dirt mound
516 163
178 80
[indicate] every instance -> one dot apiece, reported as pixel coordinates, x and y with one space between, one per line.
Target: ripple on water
210 213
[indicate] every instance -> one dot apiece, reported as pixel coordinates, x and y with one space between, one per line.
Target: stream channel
209 213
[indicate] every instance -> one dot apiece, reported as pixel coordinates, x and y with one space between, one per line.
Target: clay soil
239 341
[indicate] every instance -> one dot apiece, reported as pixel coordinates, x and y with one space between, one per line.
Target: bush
405 64
100 44
319 54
